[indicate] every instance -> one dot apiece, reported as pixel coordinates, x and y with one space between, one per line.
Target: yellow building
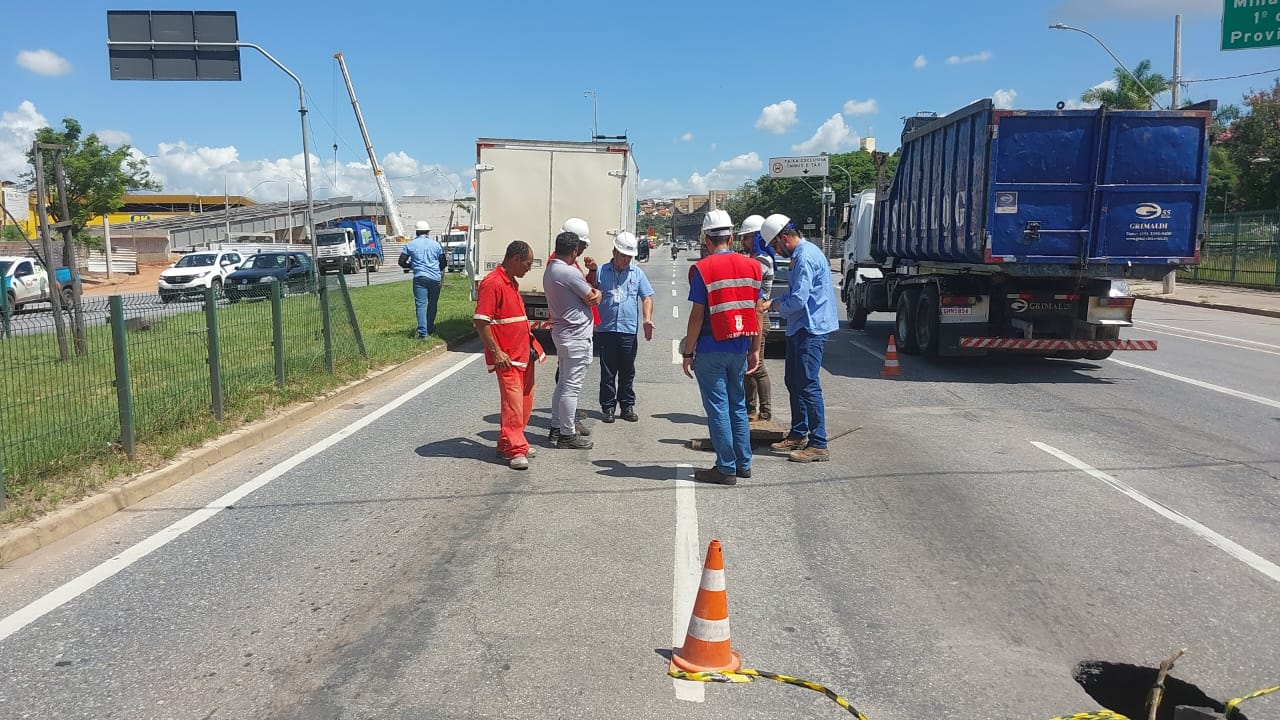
137 207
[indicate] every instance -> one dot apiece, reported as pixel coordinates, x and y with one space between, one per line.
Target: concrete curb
1211 306
62 523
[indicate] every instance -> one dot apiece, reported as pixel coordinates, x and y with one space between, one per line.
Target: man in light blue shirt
425 257
810 310
625 292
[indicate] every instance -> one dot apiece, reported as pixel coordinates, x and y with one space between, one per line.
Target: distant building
868 144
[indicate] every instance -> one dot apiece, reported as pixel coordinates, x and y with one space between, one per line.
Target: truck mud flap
1025 345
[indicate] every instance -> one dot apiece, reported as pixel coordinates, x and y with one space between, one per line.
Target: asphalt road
992 524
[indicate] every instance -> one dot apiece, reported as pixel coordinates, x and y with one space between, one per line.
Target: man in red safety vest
722 345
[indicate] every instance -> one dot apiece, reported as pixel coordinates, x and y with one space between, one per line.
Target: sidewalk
1218 297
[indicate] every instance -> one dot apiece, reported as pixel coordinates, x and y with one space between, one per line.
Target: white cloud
920 62
687 137
656 188
727 175
861 107
983 56
832 136
17 130
114 138
43 62
1077 104
1134 9
778 117
1004 98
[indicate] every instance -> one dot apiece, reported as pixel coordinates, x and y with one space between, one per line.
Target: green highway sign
1248 24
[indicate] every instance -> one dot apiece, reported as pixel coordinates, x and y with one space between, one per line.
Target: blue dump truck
349 245
1014 231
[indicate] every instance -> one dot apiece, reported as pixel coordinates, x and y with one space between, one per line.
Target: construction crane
384 188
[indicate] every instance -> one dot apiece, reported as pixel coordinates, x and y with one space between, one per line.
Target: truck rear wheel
1103 333
68 298
927 322
906 321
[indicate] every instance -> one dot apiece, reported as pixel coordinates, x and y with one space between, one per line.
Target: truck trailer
526 189
1015 231
349 246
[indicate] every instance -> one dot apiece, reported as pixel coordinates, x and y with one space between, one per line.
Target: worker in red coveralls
509 349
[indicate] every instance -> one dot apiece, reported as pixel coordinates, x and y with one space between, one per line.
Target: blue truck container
1014 230
349 245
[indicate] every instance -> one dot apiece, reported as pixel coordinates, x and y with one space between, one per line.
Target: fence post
1235 250
351 316
124 387
277 330
215 352
327 325
4 312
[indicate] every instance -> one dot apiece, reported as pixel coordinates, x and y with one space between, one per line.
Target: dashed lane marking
1202 384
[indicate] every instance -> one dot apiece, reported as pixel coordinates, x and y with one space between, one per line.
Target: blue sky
706 91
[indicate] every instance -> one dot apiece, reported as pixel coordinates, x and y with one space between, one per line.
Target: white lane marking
1206 334
82 584
688 572
1212 342
1230 547
1202 384
877 355
675 312
676 359
673 292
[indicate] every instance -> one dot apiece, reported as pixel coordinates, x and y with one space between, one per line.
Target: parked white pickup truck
197 271
25 280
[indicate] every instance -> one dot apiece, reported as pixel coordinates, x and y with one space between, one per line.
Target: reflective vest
733 288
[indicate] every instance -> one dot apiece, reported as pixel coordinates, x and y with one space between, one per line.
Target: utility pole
595 113
1175 102
226 209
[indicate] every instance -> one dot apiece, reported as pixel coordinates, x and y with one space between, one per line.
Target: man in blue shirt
426 258
625 293
810 310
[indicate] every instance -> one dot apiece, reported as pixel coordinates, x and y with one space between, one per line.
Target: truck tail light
1115 302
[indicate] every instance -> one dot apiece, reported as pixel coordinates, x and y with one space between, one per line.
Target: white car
197 271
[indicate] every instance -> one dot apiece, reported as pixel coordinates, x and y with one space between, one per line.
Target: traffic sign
173 45
808 166
1247 25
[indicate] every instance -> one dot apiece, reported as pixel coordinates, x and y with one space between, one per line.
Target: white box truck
526 189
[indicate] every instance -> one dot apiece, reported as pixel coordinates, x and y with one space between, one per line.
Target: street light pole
595 113
1060 26
1176 90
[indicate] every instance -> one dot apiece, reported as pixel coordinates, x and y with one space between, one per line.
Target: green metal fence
1241 249
147 367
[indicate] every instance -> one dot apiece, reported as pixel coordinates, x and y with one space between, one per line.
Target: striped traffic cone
891 368
706 644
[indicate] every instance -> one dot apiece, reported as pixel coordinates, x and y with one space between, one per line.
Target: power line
1231 77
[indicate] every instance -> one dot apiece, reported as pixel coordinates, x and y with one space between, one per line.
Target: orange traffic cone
706 644
891 368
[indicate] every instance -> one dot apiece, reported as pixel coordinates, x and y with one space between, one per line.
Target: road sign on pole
173 45
1248 25
808 166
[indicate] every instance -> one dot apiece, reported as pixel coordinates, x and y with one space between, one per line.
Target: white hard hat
751 224
578 227
773 225
626 244
424 225
717 222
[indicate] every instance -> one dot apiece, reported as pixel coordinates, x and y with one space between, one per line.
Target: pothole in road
1123 688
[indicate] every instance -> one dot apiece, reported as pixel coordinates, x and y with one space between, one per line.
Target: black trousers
617 369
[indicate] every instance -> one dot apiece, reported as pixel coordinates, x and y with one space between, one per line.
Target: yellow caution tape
1231 704
746 675
1096 715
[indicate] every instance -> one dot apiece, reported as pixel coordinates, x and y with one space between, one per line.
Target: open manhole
1123 688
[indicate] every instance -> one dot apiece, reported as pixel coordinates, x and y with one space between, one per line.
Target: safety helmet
424 225
717 223
626 244
578 227
773 225
751 224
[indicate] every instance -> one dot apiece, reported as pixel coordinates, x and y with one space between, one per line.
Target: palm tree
1128 94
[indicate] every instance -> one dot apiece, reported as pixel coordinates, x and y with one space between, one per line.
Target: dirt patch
119 284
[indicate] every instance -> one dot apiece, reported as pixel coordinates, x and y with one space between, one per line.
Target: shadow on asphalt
616 469
681 418
460 447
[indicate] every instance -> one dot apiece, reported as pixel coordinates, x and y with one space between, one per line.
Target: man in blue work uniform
425 257
625 293
810 310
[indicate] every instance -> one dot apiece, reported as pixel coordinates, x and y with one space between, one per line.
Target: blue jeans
426 300
723 397
808 410
617 369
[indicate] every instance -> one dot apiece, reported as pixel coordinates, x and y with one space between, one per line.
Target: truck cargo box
1103 193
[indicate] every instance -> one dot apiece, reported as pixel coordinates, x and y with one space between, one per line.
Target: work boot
790 444
607 415
714 477
554 435
573 442
744 473
531 453
581 429
629 414
809 454
519 462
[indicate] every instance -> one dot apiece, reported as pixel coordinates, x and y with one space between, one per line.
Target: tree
1128 94
97 175
1224 176
1253 145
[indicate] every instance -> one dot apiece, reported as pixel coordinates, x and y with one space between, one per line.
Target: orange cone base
679 663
